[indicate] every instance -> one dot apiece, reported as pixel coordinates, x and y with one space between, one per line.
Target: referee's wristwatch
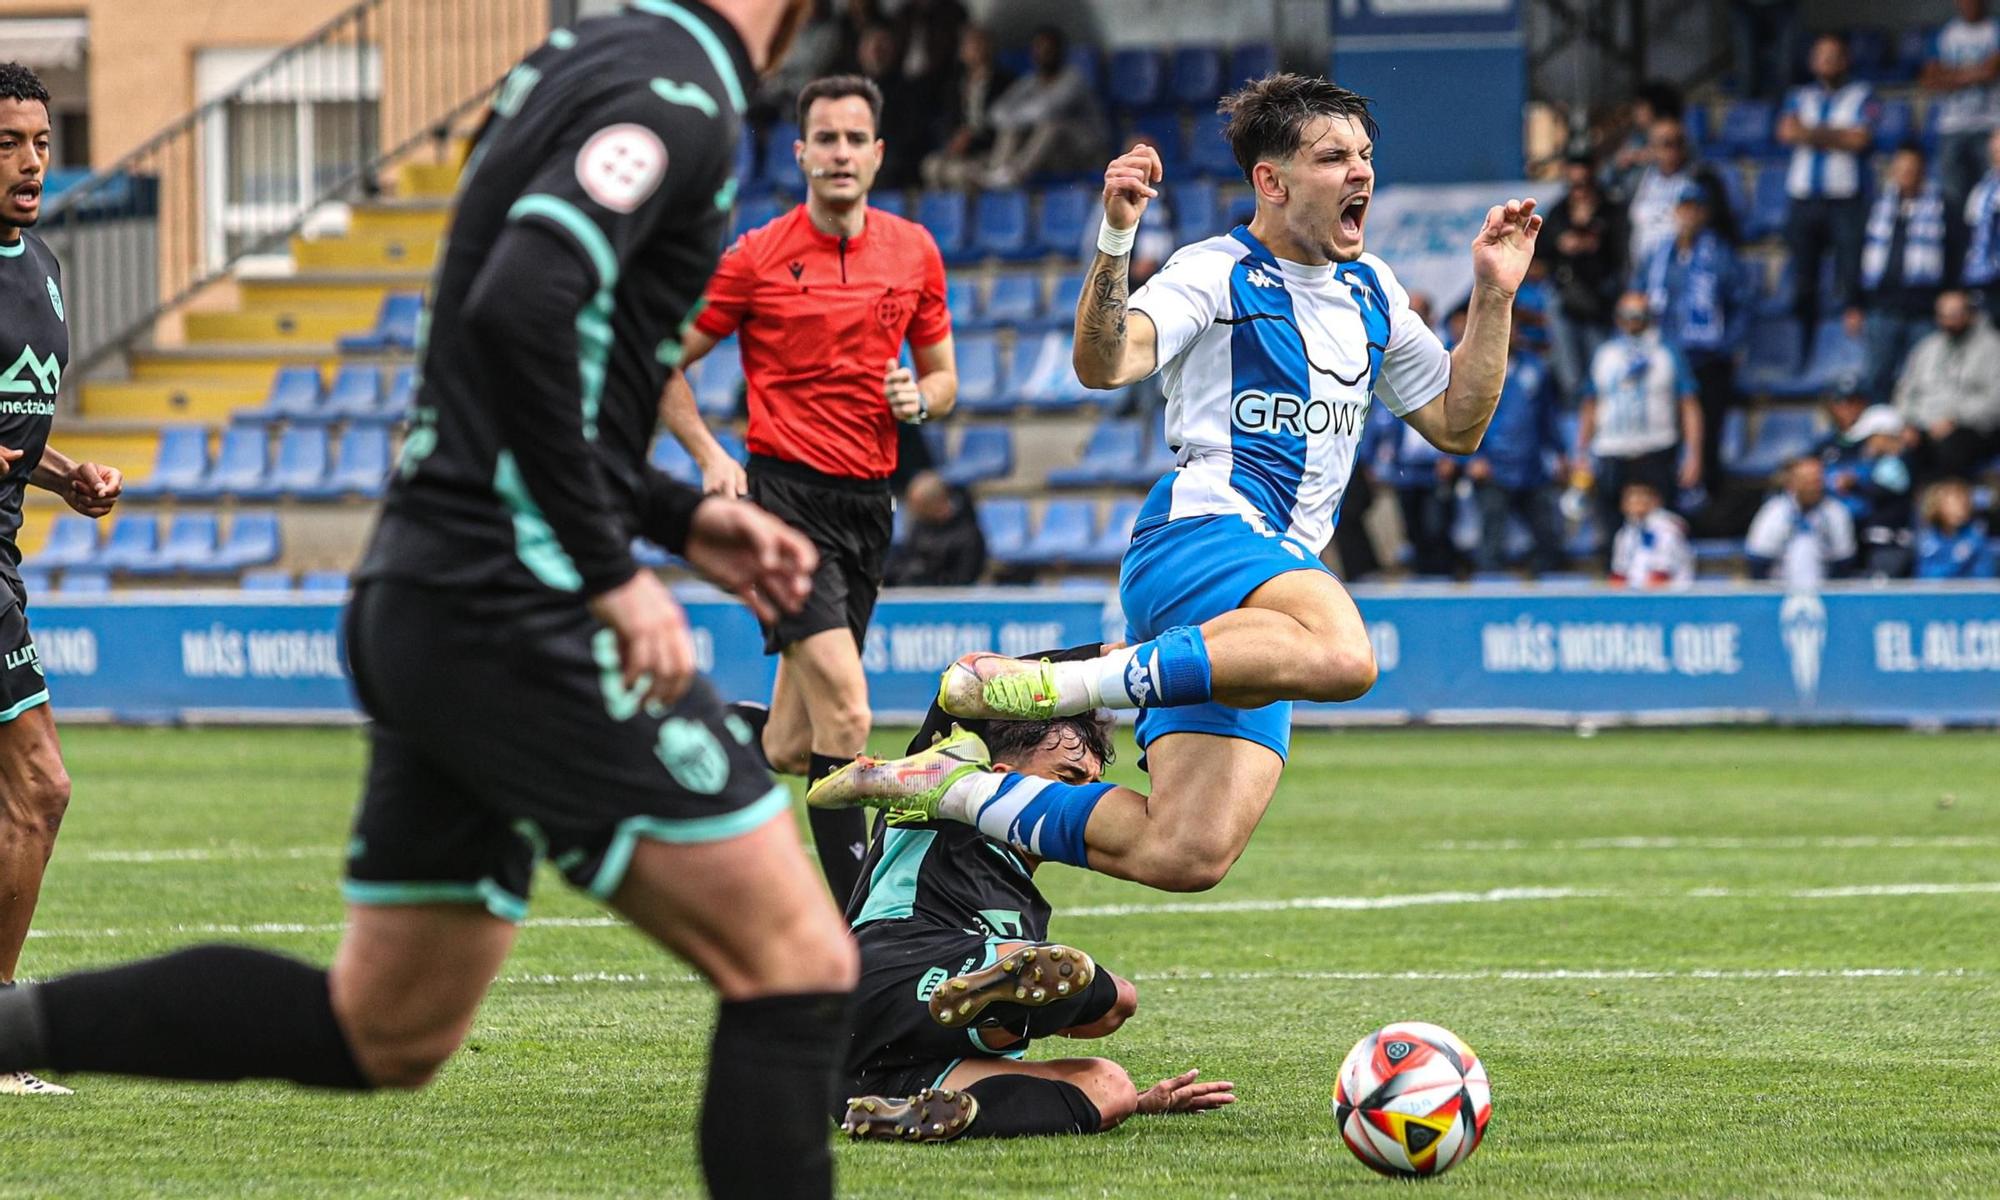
923 409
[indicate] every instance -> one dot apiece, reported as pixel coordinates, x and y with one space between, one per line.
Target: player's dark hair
1268 116
1010 741
836 87
19 83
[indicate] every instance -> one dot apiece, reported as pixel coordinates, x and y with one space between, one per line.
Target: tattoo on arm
1101 322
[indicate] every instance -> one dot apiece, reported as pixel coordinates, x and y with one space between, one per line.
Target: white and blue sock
1166 672
1036 816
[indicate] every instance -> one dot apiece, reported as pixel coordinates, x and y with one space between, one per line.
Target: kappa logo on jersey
55 298
621 165
1281 412
1258 278
47 374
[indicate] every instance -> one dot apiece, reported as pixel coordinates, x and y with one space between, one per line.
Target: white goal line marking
1182 907
1725 843
1553 975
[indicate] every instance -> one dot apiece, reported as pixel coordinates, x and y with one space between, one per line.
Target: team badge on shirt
621 165
55 299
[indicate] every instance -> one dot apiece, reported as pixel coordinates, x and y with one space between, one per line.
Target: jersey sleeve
1183 298
1416 368
1769 529
932 322
730 289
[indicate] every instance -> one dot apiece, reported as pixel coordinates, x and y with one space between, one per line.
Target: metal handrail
240 174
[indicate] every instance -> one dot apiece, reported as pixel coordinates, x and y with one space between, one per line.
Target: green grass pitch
1759 963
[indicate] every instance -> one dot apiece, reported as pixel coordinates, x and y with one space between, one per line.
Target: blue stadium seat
1136 78
1087 64
324 582
395 326
356 394
36 582
1252 60
1694 122
134 544
72 542
84 581
179 463
1004 522
1066 533
300 470
1776 353
1112 450
266 579
1869 54
961 296
253 542
759 210
894 201
1000 225
717 380
1782 435
1768 204
732 445
1156 458
1061 312
363 469
1042 376
943 213
1914 47
1715 550
979 375
1065 214
1015 301
402 394
1194 206
1115 537
1747 126
1893 126
243 463
1163 131
188 546
294 396
1929 135
744 167
1835 355
646 554
672 458
1208 151
1197 76
986 452
779 165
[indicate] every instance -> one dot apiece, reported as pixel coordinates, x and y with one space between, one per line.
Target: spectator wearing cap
1640 416
1964 69
1651 214
1511 473
1801 537
1584 244
1949 394
1843 405
1829 124
1652 548
1696 292
1982 230
1874 484
1904 265
1951 542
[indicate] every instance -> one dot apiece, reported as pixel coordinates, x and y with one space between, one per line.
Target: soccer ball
1412 1100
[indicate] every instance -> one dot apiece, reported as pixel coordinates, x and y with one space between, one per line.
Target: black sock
1030 1106
754 716
840 835
210 1012
770 1086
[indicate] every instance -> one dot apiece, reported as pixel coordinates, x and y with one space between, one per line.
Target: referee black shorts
498 742
851 521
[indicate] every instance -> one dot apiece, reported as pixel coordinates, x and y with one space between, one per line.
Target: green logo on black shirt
47 373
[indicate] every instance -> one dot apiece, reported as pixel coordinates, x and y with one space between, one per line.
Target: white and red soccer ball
1412 1100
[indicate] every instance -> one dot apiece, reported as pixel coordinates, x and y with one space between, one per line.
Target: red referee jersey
819 319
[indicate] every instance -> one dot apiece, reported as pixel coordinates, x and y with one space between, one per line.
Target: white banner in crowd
1425 231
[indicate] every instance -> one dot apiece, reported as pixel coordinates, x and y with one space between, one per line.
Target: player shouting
1272 340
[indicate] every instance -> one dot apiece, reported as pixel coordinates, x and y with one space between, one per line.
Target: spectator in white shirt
1660 187
1829 123
1949 392
1965 68
1652 548
1801 537
1047 121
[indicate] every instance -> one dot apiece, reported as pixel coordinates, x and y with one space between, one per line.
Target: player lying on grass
957 976
1272 340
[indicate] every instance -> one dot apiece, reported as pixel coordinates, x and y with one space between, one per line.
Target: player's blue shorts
1192 570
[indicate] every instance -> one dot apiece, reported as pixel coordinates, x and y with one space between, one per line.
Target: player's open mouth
27 195
1353 213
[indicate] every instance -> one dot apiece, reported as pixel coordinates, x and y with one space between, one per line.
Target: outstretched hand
1182 1094
1506 245
745 550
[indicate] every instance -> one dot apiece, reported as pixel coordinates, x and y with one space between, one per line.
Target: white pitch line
1499 974
203 854
1196 907
1726 843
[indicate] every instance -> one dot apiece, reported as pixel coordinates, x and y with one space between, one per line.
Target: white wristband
1115 242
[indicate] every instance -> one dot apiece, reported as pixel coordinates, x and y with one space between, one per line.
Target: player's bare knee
1344 671
37 802
393 1056
1187 871
791 757
845 725
1111 1089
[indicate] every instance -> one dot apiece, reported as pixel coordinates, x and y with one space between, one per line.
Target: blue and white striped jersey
1268 368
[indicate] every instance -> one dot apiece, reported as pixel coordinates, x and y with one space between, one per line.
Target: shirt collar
717 38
